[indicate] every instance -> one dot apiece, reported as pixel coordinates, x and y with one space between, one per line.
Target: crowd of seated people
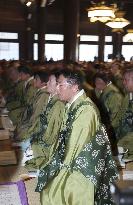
104 85
30 94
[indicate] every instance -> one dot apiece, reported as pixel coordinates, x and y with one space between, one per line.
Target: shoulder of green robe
89 103
110 91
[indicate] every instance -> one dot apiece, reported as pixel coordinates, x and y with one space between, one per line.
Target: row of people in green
43 121
117 109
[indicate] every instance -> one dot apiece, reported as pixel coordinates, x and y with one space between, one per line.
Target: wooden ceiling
13 16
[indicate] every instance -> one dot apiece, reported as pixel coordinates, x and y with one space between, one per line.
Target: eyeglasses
62 84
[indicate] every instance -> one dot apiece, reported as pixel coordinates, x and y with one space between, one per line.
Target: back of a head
25 69
13 73
128 69
55 71
106 77
43 75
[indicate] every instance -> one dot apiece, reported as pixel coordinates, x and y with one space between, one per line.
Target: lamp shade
118 22
129 36
101 13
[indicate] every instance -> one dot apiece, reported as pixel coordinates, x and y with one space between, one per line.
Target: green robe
124 128
44 134
38 104
29 92
15 101
118 82
110 102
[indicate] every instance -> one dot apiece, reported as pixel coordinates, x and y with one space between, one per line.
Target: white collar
130 96
109 83
51 96
75 98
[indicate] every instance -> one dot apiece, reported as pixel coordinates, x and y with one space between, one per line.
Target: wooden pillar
117 44
29 35
26 38
101 29
30 39
22 45
41 13
71 29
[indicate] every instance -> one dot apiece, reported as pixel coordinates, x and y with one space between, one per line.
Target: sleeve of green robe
38 107
113 104
42 153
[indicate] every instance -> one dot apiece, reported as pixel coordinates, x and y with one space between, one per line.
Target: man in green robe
116 71
110 98
14 99
109 103
69 177
38 103
124 128
26 75
44 132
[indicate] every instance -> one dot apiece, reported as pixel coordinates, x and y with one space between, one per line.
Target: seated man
44 132
14 98
110 98
116 71
81 167
125 118
26 75
38 103
109 103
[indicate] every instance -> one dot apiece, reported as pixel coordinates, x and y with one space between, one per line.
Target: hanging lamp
119 22
129 36
101 12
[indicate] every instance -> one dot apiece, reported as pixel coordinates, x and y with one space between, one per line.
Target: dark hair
106 77
73 77
43 75
129 69
25 69
116 64
55 72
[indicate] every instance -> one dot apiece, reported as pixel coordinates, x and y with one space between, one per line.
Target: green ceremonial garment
62 181
97 93
45 133
15 101
110 101
34 109
29 92
39 104
124 128
118 82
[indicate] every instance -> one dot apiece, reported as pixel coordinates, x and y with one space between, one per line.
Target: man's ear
75 88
